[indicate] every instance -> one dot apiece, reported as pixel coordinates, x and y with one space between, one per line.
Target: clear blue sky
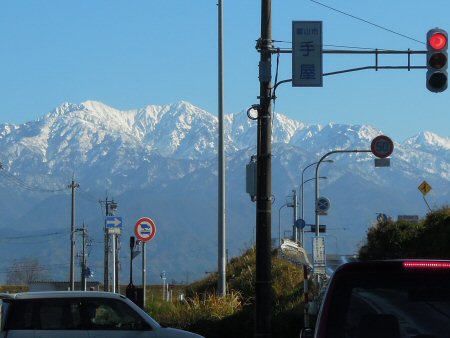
129 54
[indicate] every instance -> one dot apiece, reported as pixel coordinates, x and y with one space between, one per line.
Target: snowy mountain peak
428 139
76 134
162 160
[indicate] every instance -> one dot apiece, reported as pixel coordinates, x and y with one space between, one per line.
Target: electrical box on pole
437 60
250 170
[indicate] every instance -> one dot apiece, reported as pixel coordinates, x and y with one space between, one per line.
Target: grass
204 312
13 288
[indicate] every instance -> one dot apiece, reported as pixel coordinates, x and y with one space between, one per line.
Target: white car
73 314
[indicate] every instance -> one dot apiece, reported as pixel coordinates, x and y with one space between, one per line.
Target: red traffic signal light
438 41
437 60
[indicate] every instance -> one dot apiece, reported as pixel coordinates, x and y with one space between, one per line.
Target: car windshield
73 314
390 305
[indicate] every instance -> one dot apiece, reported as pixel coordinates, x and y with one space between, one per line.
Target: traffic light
437 60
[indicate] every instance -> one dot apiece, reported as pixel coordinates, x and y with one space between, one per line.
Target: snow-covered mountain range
161 162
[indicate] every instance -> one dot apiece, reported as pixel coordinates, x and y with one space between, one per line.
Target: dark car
386 299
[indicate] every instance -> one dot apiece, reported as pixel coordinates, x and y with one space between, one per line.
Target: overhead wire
366 21
339 46
9 238
22 184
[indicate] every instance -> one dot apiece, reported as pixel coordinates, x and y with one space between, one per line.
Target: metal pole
113 243
144 273
302 202
83 266
263 286
294 228
73 185
222 264
116 253
317 181
106 259
316 195
303 171
72 241
302 198
302 210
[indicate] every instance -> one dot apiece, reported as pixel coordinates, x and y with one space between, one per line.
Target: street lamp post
279 223
303 172
302 199
317 181
317 189
294 206
301 186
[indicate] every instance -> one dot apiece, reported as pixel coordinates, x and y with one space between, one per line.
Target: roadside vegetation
429 238
233 316
204 312
13 288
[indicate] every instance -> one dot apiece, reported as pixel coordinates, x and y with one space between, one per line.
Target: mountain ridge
161 161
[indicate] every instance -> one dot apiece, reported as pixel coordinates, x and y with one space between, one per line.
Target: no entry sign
145 229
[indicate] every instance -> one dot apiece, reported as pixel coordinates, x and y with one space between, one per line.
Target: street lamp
301 188
303 171
317 175
317 196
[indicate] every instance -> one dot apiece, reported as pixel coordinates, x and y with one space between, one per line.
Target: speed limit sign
382 146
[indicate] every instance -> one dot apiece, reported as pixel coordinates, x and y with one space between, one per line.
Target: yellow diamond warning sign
424 188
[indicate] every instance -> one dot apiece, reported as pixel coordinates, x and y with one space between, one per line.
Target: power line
21 184
366 21
9 238
30 242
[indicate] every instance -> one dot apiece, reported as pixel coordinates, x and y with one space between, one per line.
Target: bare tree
24 270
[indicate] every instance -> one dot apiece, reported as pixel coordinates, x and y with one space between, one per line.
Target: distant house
61 286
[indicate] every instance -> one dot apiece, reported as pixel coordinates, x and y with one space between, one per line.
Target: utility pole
222 264
144 275
263 285
106 260
110 209
116 253
72 186
83 260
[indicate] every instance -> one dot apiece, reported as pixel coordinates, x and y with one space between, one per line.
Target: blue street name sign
307 54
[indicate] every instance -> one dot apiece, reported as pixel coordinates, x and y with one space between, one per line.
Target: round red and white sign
145 229
382 146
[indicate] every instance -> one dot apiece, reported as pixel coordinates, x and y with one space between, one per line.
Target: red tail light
426 265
